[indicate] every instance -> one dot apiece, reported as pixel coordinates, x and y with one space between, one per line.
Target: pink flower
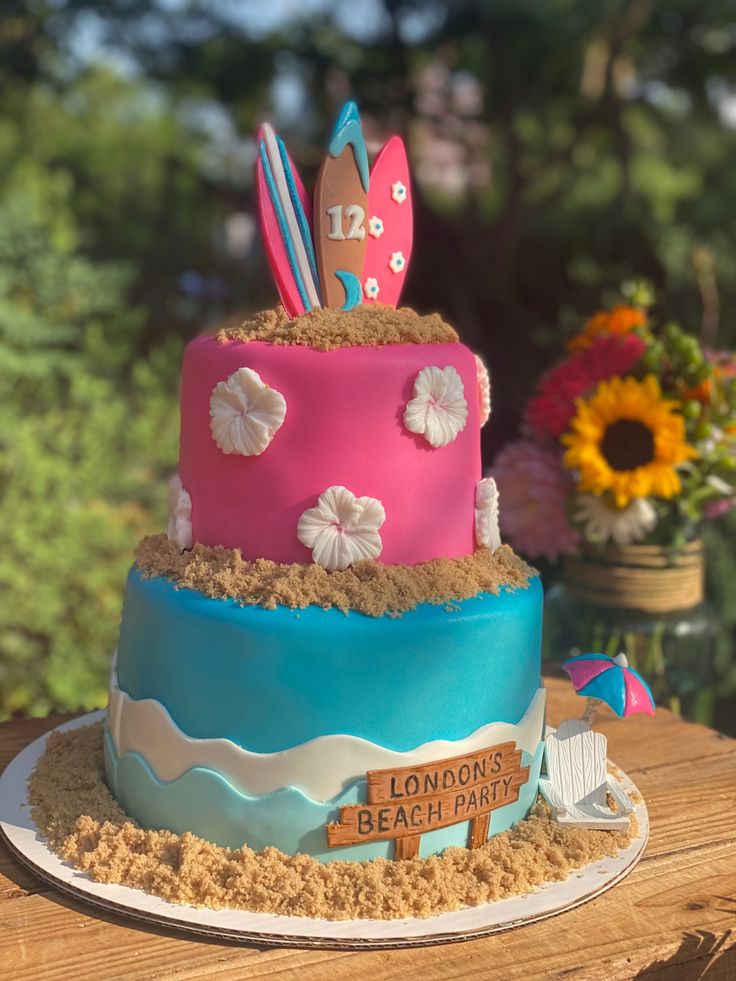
725 360
550 411
716 509
533 487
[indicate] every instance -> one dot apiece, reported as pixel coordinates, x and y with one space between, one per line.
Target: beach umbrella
609 679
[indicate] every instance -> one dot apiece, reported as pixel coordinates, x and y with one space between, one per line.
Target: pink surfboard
389 225
283 268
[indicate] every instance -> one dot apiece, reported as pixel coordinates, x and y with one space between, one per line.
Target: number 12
355 215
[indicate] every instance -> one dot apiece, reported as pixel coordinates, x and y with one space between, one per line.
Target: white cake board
29 847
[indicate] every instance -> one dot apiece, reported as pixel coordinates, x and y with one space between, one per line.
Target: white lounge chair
576 782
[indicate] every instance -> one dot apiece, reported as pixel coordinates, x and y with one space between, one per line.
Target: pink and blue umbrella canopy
610 680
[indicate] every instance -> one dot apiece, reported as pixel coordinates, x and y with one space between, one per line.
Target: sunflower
619 321
627 439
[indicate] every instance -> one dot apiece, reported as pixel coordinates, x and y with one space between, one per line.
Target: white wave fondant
320 768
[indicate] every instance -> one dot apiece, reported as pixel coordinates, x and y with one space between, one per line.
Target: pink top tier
344 425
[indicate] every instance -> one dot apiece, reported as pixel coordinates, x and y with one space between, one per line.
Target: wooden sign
405 802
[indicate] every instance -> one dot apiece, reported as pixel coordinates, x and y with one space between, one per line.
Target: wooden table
674 917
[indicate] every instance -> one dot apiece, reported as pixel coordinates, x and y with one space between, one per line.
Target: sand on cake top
325 329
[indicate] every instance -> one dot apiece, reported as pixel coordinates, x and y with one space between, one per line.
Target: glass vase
646 602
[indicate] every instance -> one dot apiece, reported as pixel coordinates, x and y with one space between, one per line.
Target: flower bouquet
628 445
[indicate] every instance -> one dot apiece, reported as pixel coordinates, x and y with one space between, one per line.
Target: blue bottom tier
247 725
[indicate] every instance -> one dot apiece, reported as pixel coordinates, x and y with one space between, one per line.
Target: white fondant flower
438 411
245 413
180 514
375 226
398 192
397 262
342 529
602 521
484 390
486 514
371 288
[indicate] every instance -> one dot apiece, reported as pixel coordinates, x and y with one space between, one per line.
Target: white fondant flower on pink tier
397 262
180 514
486 514
342 529
245 413
484 389
398 192
438 410
375 226
371 288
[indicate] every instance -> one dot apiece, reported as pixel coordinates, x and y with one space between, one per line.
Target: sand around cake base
577 864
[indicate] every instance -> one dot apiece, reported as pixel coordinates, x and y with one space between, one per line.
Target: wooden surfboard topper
354 246
340 205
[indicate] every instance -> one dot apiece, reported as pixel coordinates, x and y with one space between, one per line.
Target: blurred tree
593 139
86 429
558 149
138 188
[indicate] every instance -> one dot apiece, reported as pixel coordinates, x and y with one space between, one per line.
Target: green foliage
85 432
67 546
721 574
598 136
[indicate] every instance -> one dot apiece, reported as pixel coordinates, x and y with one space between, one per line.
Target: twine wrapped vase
651 578
646 601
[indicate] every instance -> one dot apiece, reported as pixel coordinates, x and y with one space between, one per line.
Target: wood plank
634 745
645 919
690 806
479 828
640 741
16 879
407 847
58 940
15 736
673 918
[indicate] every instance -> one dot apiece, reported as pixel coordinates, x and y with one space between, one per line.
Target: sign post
405 802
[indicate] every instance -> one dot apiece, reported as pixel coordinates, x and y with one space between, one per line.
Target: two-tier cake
330 652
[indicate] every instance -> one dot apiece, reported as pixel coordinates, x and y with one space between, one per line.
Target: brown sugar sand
325 329
368 587
73 808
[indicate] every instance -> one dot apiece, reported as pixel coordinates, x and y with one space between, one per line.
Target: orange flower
619 321
700 393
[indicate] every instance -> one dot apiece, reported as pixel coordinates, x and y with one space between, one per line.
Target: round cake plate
239 926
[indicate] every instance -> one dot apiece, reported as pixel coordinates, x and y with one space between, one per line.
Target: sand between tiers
72 806
367 587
